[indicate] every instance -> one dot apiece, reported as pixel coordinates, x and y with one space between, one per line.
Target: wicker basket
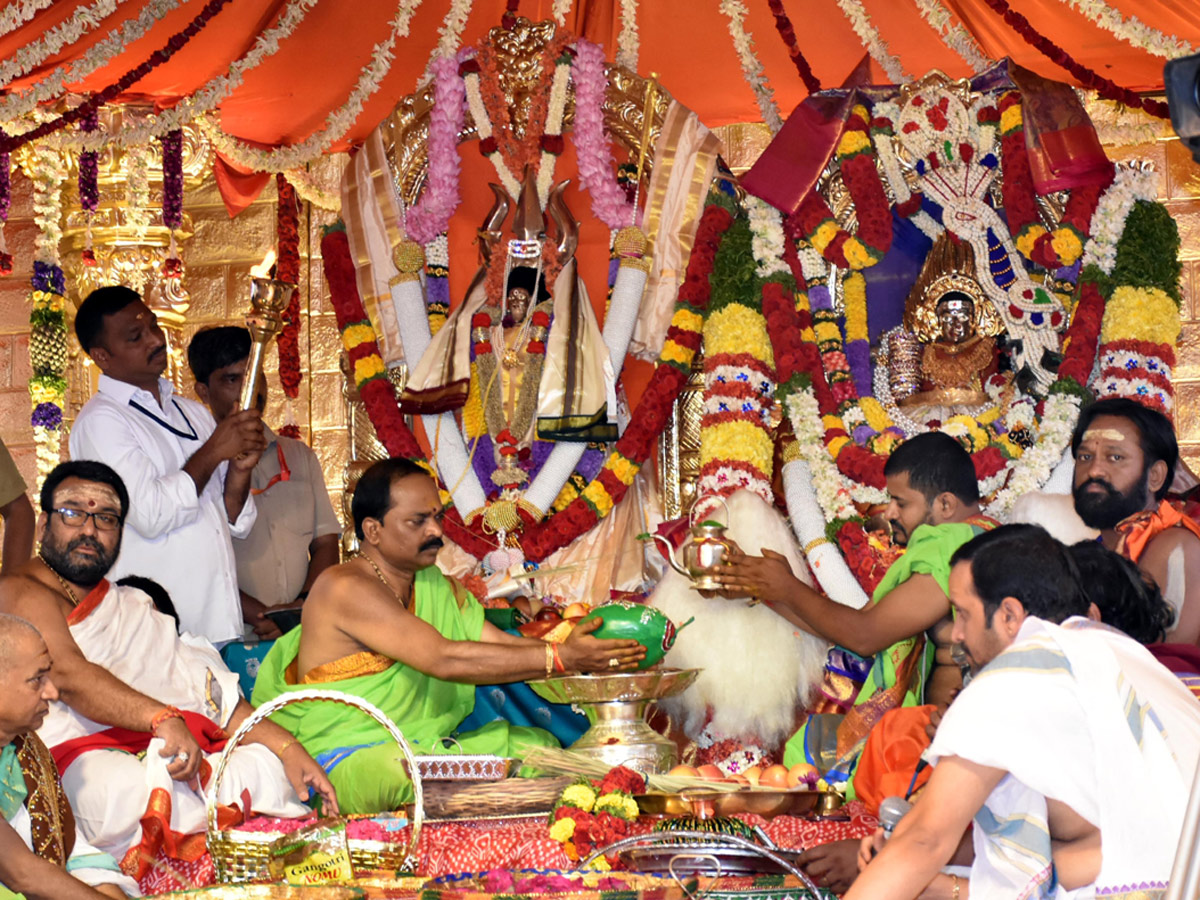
240 856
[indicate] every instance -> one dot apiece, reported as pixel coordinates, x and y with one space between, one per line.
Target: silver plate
693 858
652 684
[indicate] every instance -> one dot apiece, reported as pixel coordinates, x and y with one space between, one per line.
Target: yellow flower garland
737 440
367 368
737 329
854 289
1141 314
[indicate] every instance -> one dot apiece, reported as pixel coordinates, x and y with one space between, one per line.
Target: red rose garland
1020 206
784 26
288 269
378 395
814 221
1081 341
1087 77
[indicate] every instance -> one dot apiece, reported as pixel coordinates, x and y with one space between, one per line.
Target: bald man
38 843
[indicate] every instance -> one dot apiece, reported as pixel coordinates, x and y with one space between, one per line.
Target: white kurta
1084 715
181 540
109 790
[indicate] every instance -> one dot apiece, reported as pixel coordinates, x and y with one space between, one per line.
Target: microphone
891 811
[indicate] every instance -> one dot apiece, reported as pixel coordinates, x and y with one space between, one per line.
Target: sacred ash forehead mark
86 494
1104 434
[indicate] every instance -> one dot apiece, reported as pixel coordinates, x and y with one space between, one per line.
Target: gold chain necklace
70 594
384 579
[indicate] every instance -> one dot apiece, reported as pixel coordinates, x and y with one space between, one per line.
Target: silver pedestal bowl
616 706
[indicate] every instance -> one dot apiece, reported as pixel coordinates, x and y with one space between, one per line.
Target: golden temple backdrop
221 252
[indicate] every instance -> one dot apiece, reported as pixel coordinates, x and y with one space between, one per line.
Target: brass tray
765 803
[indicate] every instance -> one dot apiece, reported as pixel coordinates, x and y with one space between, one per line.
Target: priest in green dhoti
390 628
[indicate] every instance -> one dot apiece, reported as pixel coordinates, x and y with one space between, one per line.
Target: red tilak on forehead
91 503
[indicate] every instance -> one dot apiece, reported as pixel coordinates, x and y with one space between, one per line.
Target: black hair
1156 435
1127 597
102 302
156 592
87 470
1025 562
373 492
215 348
935 463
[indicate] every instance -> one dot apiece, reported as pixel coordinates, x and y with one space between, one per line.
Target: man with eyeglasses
128 683
187 475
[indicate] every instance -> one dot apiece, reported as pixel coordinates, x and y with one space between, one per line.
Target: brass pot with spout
702 553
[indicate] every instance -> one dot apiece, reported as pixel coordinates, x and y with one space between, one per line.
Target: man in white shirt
295 537
188 477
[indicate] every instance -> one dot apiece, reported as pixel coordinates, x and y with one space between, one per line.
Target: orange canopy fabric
686 42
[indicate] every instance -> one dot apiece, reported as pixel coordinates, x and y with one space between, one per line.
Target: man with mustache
389 627
905 633
128 683
1072 750
1125 459
41 855
295 537
188 477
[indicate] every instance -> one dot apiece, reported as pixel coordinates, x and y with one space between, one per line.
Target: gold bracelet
286 744
954 889
549 660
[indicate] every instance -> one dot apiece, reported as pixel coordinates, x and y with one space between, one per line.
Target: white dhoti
87 863
1083 715
113 792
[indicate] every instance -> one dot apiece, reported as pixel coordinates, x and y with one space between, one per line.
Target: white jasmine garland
338 121
559 11
437 252
17 14
1133 30
208 96
1108 221
483 128
767 241
555 111
830 486
1035 466
752 69
31 55
953 34
14 106
137 189
307 189
627 37
861 23
49 171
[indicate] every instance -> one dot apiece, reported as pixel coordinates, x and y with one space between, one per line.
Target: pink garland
609 203
430 215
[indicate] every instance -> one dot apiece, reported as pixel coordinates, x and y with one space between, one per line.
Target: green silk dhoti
362 760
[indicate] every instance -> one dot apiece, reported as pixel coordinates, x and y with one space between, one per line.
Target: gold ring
613 663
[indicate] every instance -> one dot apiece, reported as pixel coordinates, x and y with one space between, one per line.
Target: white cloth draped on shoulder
1084 715
112 791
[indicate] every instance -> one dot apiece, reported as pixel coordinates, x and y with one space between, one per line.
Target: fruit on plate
773 777
710 773
803 775
752 774
635 621
576 609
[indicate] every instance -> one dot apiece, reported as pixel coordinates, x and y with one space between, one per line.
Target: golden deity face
518 304
956 317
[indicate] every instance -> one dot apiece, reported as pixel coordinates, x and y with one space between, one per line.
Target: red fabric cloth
208 735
